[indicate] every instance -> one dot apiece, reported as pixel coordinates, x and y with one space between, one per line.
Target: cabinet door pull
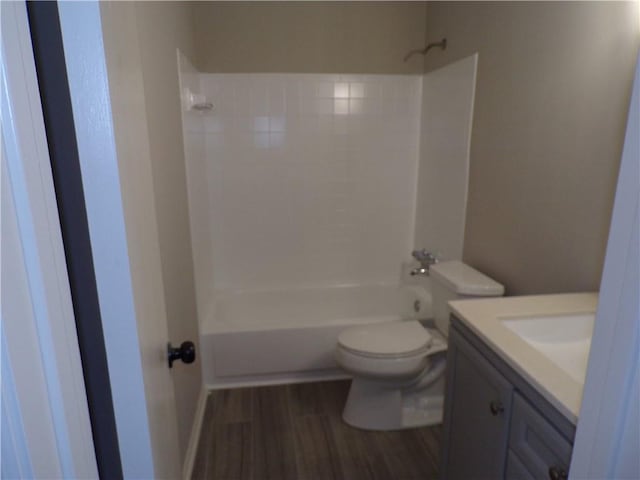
557 473
496 407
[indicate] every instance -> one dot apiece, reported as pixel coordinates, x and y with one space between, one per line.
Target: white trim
194 438
15 448
85 55
242 381
607 435
37 314
103 62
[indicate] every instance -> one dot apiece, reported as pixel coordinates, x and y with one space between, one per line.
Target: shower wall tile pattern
307 179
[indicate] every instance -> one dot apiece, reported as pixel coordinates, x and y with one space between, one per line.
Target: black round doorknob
185 352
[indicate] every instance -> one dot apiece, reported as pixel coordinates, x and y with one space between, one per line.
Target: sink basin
563 339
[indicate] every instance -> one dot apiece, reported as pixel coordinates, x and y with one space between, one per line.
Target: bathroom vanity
515 374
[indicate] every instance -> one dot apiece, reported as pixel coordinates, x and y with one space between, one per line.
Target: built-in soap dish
196 102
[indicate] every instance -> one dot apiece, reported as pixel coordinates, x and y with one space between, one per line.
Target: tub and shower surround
310 179
302 200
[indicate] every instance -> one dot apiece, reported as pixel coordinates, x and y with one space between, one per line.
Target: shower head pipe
442 44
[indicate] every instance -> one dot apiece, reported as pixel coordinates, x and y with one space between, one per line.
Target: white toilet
398 367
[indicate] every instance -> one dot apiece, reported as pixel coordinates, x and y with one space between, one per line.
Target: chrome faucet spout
419 271
426 259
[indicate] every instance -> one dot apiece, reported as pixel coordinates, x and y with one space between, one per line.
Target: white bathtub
255 337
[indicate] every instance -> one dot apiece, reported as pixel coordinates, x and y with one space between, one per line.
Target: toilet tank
454 280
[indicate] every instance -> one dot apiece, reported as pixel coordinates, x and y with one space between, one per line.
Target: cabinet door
477 412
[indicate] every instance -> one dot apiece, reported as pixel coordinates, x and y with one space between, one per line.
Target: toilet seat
392 340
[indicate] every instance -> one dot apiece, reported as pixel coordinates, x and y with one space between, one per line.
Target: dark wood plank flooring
296 432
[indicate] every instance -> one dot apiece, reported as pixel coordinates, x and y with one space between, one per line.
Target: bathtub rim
209 326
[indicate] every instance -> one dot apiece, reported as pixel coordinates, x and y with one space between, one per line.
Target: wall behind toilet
552 95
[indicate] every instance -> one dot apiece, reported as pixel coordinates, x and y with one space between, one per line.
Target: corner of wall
426 33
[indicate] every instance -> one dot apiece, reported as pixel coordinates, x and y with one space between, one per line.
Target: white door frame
88 85
45 417
115 164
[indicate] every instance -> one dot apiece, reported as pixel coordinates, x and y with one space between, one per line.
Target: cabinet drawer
536 443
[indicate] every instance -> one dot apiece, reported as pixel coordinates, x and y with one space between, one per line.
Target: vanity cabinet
495 424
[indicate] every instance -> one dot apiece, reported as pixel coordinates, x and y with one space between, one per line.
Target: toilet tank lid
465 280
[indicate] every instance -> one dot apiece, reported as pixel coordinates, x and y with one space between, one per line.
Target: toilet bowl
398 367
389 362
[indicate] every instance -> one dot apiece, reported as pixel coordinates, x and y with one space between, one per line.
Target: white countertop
483 317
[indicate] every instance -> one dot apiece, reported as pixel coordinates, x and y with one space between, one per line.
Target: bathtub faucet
426 259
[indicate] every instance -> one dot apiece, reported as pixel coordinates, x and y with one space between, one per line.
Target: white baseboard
277 379
194 438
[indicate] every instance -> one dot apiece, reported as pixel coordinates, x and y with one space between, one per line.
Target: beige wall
309 37
552 96
163 27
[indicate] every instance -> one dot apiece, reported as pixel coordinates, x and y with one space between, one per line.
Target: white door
46 432
107 98
608 435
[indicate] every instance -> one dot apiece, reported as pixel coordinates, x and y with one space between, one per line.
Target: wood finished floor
296 432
